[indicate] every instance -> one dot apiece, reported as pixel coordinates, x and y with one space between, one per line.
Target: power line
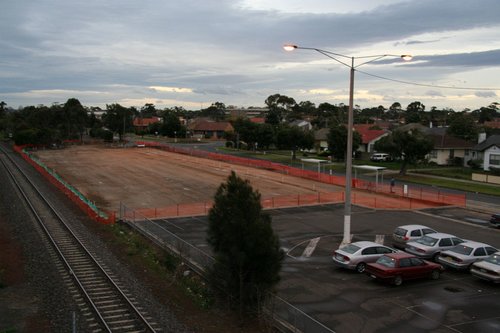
423 84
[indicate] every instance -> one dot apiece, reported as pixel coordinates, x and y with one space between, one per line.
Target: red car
399 266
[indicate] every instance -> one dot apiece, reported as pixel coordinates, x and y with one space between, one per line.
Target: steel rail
74 237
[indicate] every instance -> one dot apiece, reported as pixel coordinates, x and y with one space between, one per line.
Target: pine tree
247 252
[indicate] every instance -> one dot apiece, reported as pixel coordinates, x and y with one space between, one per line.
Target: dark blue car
495 220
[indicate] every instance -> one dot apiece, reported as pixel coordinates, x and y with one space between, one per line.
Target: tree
462 125
337 141
118 119
279 107
410 146
172 126
75 118
293 138
247 251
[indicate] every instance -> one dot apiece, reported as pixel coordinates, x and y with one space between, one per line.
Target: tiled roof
258 120
213 126
492 124
493 140
448 141
367 134
145 121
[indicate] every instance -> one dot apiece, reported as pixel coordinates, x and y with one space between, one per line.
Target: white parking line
310 247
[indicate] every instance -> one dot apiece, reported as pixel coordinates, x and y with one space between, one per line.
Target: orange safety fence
93 213
371 200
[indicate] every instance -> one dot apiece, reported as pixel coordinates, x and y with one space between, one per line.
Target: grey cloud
486 94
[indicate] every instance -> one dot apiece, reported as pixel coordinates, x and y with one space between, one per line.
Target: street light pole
350 122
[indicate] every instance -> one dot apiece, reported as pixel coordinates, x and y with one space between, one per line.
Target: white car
465 254
487 269
379 157
431 245
356 255
406 233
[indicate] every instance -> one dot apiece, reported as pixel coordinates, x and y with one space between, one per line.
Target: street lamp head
289 47
406 57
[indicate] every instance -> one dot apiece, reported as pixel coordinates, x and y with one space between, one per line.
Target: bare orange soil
148 178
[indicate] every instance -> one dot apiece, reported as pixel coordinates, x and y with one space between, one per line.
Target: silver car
488 269
431 245
407 233
465 254
356 255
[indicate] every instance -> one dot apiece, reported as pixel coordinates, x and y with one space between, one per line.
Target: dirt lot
148 178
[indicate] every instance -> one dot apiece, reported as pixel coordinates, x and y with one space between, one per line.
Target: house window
433 154
494 159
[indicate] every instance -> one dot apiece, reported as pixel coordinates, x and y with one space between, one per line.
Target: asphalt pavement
345 301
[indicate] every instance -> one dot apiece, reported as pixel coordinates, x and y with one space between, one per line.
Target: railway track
112 308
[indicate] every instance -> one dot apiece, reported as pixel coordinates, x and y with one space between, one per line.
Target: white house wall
493 150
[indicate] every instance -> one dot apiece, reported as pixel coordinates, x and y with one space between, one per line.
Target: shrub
475 164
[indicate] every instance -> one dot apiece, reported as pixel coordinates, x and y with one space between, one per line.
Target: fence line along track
113 308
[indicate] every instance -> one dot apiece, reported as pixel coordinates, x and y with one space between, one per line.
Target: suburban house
142 124
488 150
449 149
321 139
211 129
369 135
302 124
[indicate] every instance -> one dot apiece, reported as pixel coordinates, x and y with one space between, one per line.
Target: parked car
356 255
488 269
465 254
431 245
398 267
380 157
406 233
495 220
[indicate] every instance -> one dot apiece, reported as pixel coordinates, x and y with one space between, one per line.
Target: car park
465 254
410 232
356 255
488 269
431 245
380 157
398 267
495 220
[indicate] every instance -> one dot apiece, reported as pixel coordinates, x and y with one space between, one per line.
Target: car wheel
398 280
435 257
360 268
435 274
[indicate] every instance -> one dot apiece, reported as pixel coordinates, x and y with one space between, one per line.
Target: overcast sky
193 53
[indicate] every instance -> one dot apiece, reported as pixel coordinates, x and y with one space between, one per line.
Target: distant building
210 129
488 150
142 124
369 135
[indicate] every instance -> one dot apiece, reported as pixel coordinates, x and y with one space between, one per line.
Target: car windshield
351 248
386 261
427 240
462 249
494 259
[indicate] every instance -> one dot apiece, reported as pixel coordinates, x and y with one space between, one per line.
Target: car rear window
386 261
350 248
400 231
462 249
426 240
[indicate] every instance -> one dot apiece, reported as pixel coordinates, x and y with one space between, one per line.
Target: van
378 157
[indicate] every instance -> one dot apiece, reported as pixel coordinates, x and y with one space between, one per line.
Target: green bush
475 164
